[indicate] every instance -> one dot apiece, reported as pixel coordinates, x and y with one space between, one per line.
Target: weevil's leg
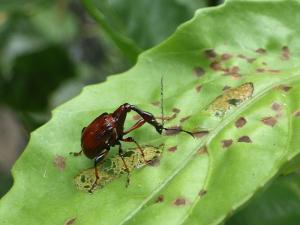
98 159
130 139
148 118
138 124
121 154
75 153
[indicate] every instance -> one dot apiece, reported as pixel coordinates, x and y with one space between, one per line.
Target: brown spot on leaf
70 221
159 199
202 193
200 134
202 150
245 139
260 70
269 121
179 202
198 88
172 130
225 57
240 122
297 113
215 65
261 51
274 71
264 63
199 71
184 119
59 162
285 53
157 103
210 53
234 70
226 88
154 162
226 143
176 110
284 88
172 149
241 56
276 106
251 60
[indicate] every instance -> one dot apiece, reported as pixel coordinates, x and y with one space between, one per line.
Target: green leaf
279 204
231 75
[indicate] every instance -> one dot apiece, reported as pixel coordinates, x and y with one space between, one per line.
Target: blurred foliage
279 204
49 50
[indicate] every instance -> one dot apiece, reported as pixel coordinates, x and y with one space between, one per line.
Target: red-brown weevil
107 130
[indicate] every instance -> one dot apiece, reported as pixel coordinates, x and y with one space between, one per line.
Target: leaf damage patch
230 98
113 168
269 121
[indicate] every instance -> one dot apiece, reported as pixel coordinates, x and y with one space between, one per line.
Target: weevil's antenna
162 100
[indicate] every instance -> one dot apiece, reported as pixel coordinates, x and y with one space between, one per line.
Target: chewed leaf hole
231 97
113 168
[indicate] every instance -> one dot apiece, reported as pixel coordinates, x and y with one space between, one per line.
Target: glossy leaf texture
231 75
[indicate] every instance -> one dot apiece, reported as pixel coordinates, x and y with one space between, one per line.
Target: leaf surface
231 76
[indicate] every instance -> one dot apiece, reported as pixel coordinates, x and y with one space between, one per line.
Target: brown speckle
285 54
200 134
264 63
59 162
154 162
297 113
157 103
240 122
70 221
260 70
215 65
159 199
284 88
172 149
210 53
274 71
184 119
172 130
179 202
226 143
251 60
269 121
176 110
198 88
226 88
242 56
202 150
202 193
226 56
261 51
276 106
245 139
199 71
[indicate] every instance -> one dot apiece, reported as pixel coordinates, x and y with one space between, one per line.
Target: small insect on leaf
230 98
113 168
